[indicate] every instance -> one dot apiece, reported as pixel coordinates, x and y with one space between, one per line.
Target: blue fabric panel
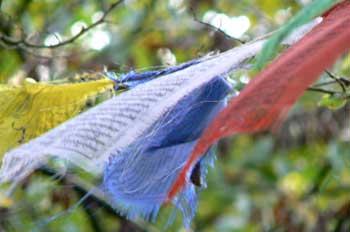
138 179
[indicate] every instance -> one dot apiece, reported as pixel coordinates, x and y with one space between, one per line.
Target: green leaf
332 102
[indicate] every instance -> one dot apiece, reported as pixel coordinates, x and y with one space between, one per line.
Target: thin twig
342 85
324 83
217 29
315 89
23 42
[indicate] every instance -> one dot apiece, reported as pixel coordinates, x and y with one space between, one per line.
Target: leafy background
294 179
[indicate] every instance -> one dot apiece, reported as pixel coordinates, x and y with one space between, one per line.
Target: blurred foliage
332 102
309 12
293 179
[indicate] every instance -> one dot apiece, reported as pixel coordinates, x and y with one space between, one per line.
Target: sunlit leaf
5 202
332 102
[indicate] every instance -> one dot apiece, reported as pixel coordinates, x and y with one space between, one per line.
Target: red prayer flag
268 97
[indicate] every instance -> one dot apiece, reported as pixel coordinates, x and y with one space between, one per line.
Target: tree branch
217 29
315 89
339 81
342 82
24 41
92 198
